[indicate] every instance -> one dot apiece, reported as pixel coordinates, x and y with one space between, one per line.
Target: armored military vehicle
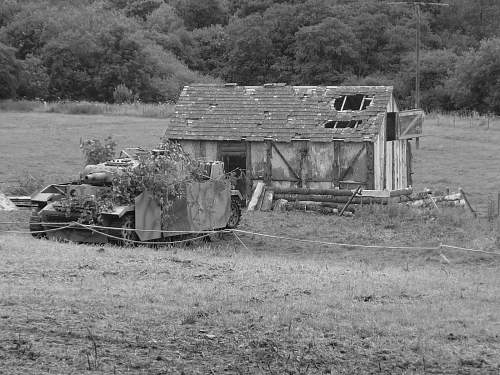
73 211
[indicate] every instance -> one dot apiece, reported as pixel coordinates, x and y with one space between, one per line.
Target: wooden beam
269 167
313 191
248 170
370 160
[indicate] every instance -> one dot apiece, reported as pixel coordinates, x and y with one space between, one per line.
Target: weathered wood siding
396 165
314 164
323 165
379 159
200 149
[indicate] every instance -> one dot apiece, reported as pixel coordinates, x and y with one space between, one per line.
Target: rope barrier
335 243
115 228
141 242
203 234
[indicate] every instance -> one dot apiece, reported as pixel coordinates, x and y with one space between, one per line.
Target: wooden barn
320 137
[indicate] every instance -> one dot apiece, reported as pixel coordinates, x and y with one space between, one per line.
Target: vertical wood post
409 161
303 165
336 163
269 166
370 159
248 167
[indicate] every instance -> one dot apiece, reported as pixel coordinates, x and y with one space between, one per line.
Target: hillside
125 50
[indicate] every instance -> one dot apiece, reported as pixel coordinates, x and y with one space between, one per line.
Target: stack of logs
330 200
343 201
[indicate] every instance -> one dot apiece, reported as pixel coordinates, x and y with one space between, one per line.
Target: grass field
274 307
270 306
46 145
462 156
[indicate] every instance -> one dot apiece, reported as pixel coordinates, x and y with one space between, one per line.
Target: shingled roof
279 112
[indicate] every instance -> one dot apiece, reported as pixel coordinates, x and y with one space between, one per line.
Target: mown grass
460 156
46 145
270 307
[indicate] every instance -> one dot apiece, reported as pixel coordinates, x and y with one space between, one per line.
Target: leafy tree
210 47
248 60
8 8
30 29
164 19
34 80
477 78
142 8
201 13
325 53
9 72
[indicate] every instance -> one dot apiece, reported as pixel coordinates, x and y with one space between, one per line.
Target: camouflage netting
163 172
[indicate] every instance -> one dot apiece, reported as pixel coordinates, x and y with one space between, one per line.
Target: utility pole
418 13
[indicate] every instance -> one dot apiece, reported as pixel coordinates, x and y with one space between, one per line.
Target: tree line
123 50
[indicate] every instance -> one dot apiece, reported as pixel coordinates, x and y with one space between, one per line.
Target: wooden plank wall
389 169
396 165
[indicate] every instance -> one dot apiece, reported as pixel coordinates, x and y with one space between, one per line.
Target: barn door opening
234 156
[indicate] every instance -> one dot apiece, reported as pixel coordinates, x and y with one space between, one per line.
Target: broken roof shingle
277 111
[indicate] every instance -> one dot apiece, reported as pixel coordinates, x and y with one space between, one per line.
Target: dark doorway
234 156
391 126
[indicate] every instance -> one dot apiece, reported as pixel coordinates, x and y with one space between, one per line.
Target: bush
122 94
96 152
27 185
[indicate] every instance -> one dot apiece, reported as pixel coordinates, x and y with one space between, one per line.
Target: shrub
122 94
95 152
27 185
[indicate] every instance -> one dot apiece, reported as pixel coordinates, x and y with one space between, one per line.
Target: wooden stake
350 200
467 203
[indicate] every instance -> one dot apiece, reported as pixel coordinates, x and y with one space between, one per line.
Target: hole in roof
356 102
333 124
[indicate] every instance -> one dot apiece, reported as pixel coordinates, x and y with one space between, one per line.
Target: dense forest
122 50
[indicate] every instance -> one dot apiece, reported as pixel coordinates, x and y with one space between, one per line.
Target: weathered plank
331 198
267 200
255 196
312 191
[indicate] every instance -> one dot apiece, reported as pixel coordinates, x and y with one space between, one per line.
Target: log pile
343 201
430 200
332 201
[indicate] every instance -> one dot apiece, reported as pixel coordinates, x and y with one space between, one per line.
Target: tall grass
156 110
463 120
